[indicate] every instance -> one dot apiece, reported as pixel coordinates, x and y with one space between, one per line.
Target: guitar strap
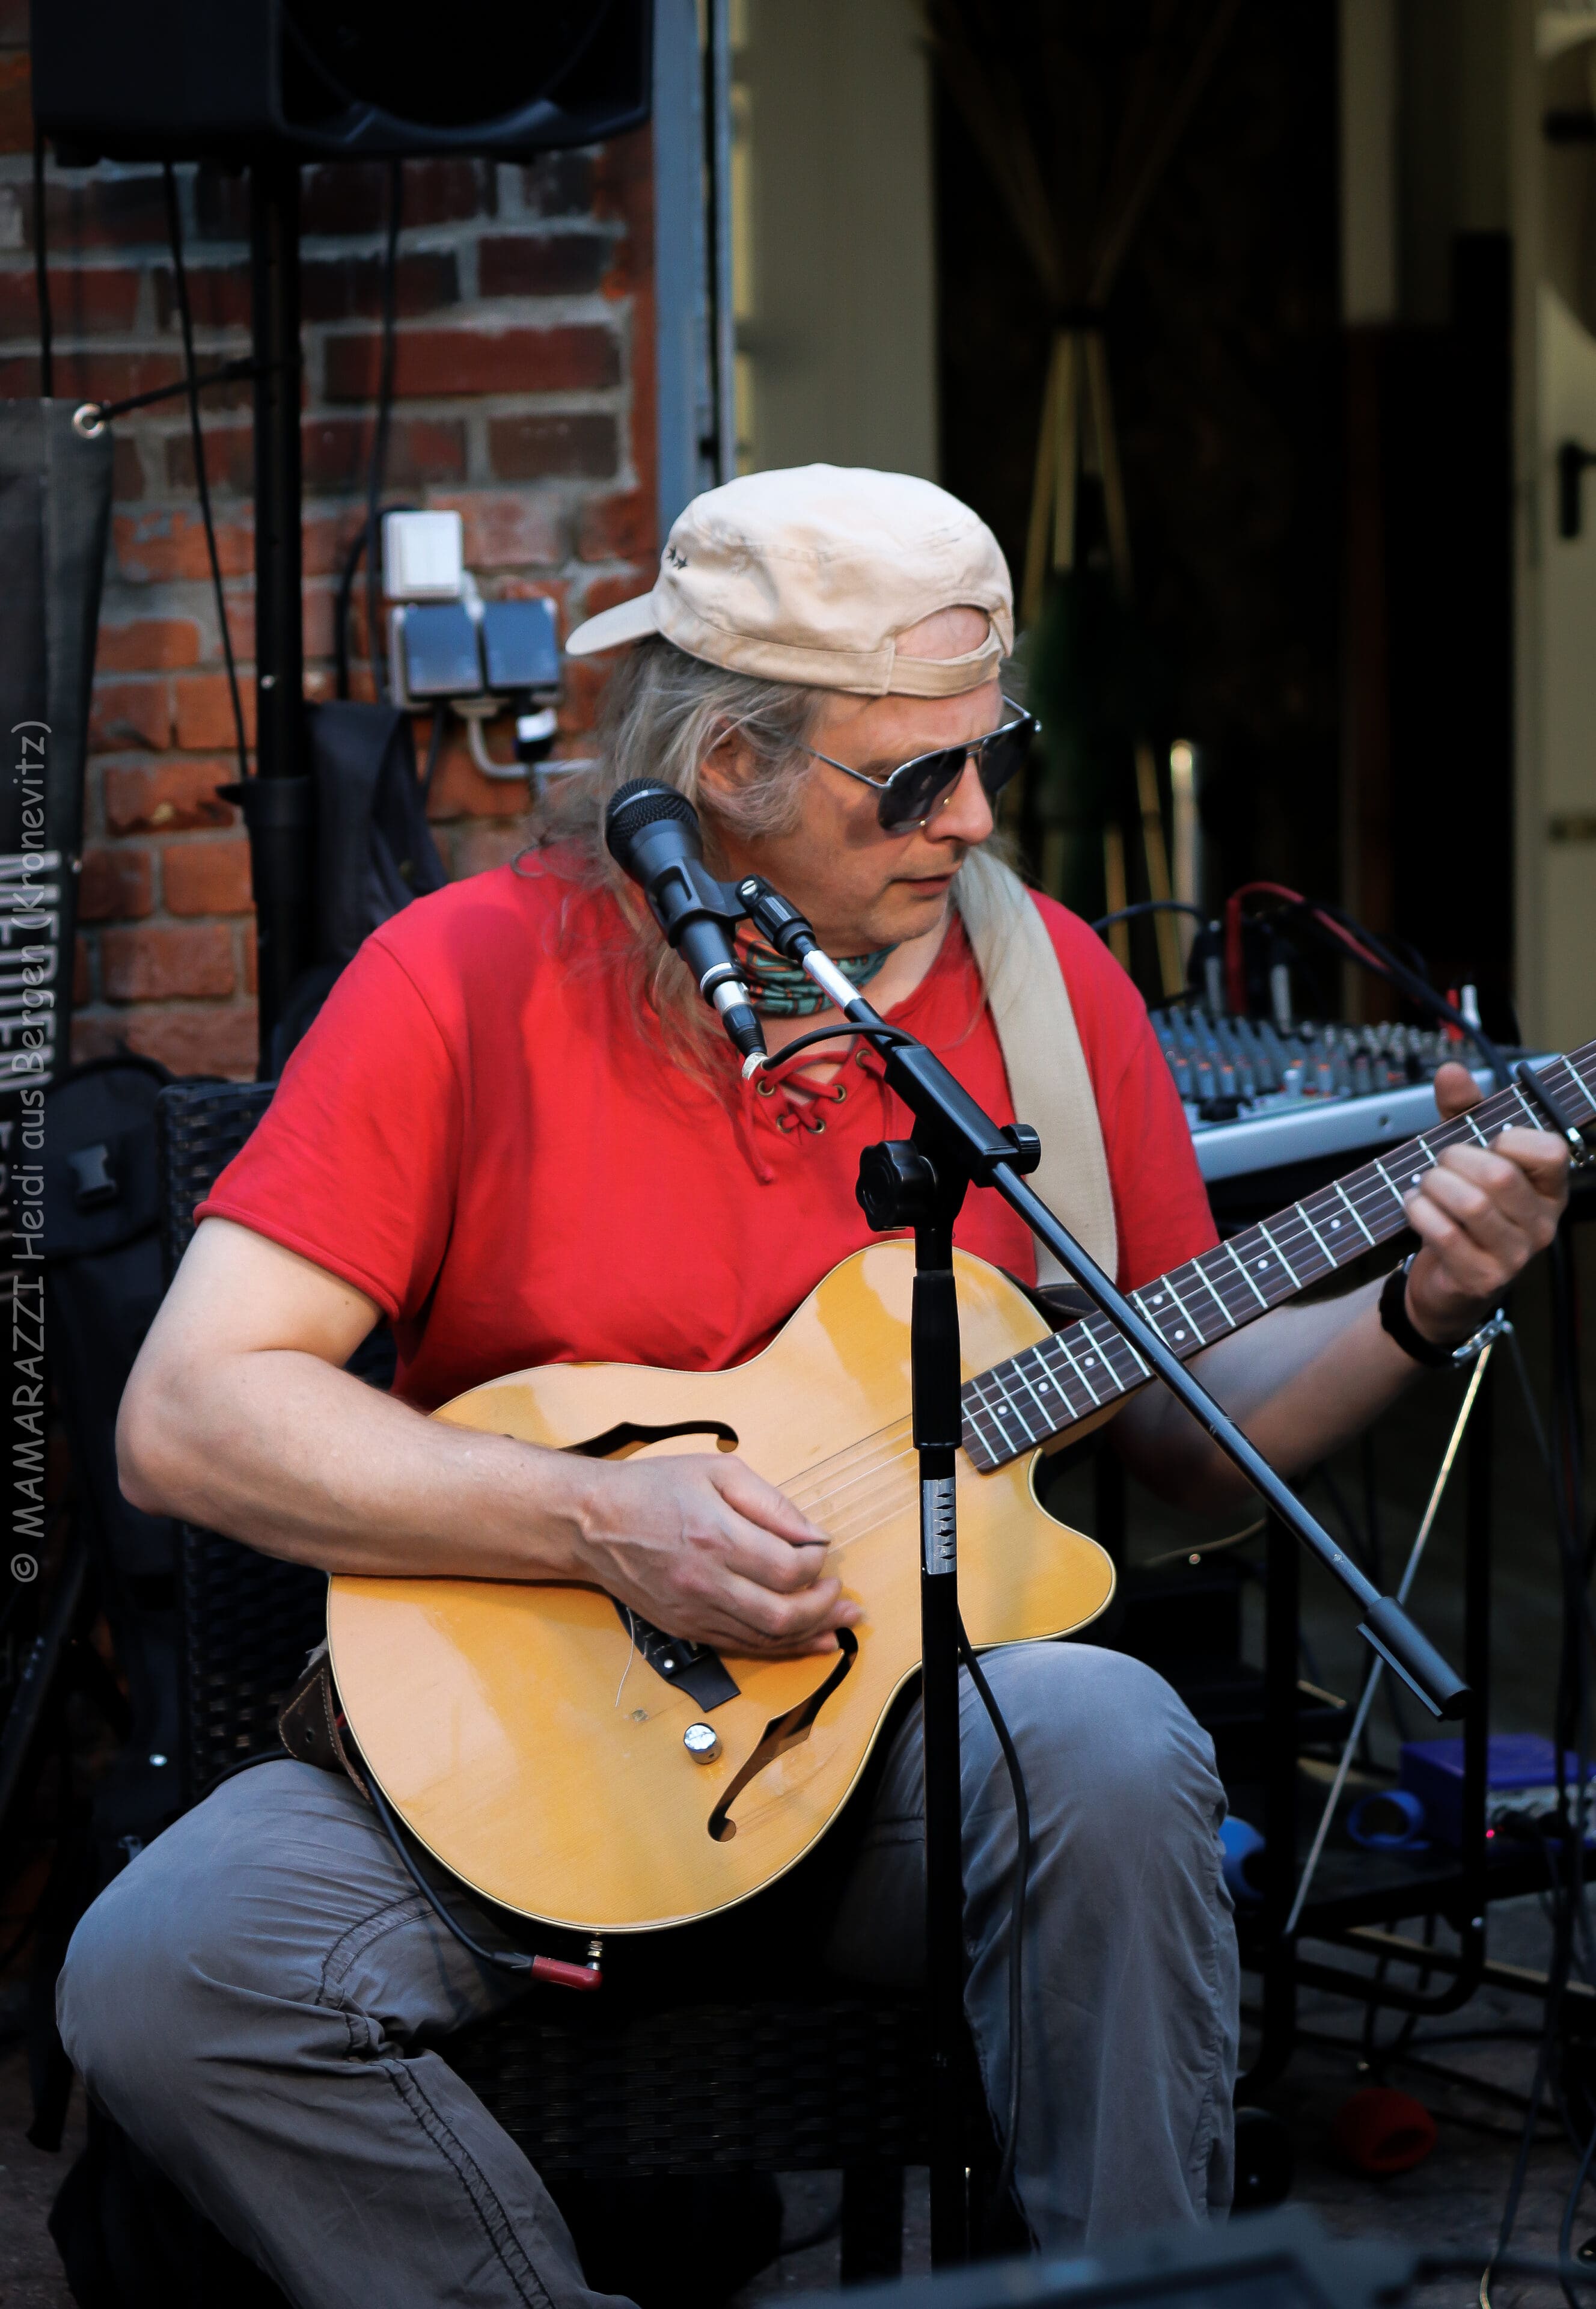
1045 1066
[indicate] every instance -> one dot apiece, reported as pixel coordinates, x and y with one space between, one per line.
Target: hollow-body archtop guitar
531 1736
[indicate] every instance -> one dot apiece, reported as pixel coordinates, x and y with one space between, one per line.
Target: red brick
127 470
211 1041
478 849
166 797
130 713
585 677
220 205
619 528
559 184
332 288
16 105
230 460
605 592
624 193
157 961
14 24
459 789
146 645
421 450
355 198
251 966
350 288
542 264
327 539
85 376
204 712
538 589
435 363
82 971
316 605
218 296
507 532
117 885
151 546
85 300
574 445
207 877
100 212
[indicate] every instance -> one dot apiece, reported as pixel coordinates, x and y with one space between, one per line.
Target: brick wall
524 397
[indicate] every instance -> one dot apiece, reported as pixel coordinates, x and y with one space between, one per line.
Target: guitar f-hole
619 1442
781 1732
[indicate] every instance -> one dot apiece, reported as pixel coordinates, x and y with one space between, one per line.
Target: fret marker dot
1413 1181
1333 1225
1262 1263
1180 1334
1159 1299
1091 1359
1045 1385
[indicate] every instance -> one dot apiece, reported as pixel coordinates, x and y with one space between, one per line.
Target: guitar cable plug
552 1970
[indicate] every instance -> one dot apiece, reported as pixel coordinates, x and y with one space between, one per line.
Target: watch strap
1398 1325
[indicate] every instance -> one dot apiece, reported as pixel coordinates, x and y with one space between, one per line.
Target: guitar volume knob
701 1743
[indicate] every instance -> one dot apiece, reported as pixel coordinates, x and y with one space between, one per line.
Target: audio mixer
1258 1096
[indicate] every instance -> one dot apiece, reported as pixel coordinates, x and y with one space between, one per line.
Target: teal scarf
781 989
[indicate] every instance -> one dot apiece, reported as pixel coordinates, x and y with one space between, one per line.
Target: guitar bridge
693 1668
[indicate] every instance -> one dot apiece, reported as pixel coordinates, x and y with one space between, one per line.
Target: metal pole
937 1420
724 347
277 800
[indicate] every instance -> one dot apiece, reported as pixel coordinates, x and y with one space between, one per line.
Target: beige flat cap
810 574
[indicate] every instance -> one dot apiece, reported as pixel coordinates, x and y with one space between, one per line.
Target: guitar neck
1050 1387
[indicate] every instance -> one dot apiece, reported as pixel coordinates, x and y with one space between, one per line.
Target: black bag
103 1283
374 850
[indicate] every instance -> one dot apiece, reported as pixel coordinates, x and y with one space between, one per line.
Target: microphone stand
921 1182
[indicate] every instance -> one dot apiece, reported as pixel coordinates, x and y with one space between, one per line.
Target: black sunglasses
909 795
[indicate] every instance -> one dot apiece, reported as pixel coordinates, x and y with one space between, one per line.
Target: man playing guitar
515 1134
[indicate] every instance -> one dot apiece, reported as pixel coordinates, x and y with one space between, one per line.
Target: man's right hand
706 1549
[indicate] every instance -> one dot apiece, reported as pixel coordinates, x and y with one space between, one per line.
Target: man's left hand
1481 1215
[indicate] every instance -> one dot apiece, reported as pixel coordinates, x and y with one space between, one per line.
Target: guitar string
810 1502
631 1653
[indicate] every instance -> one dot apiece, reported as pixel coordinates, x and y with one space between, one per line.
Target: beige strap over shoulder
1047 1079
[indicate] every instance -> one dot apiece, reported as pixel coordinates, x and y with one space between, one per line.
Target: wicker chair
650 2080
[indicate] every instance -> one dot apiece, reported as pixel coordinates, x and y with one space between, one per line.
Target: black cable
886 1037
231 372
1571 2207
1571 1718
1407 981
345 601
41 278
377 471
506 1960
1004 2182
434 748
196 434
1149 906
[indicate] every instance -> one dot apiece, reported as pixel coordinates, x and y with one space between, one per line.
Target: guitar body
530 1746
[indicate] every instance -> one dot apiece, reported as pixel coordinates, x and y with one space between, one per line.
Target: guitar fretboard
1063 1379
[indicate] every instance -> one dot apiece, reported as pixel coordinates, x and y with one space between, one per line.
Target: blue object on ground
1520 1779
1243 1848
1390 1819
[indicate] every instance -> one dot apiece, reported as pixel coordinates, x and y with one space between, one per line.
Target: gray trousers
251 2000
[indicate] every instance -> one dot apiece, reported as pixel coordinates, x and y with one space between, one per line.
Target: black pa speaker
334 79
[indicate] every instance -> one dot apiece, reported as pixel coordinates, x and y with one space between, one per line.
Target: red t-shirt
484 1134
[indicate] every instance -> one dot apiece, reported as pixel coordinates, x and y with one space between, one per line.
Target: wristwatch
1397 1324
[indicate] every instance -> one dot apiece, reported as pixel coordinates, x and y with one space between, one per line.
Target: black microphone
652 834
